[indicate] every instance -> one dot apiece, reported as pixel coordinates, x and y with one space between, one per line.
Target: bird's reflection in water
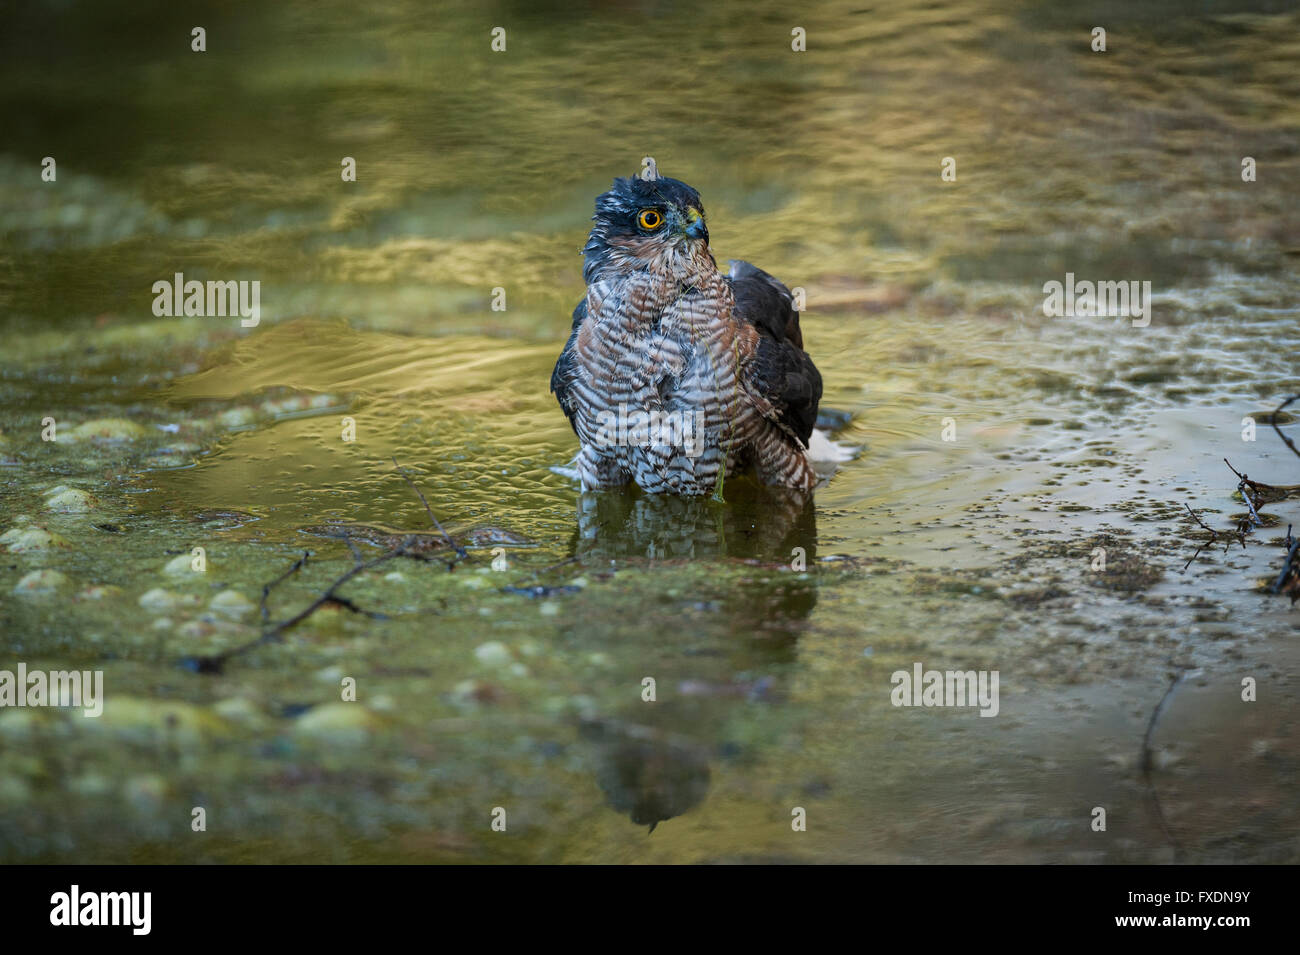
647 774
754 522
652 760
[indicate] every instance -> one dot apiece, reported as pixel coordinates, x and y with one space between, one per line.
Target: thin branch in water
1199 521
267 588
331 596
1245 485
1245 496
1288 581
1147 761
347 604
460 551
1214 536
1285 440
1253 485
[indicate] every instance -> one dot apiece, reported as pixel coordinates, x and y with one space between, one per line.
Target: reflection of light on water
924 304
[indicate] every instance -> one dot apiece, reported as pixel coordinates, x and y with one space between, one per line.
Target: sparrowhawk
676 375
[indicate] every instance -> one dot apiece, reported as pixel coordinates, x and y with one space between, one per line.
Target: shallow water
521 687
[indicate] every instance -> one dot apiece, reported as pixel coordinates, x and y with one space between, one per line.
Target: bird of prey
675 375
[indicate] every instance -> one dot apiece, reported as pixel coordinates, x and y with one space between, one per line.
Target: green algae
770 627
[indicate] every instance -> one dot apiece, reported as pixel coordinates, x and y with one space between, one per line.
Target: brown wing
563 375
779 372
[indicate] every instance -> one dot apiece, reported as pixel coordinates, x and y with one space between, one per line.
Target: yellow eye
650 219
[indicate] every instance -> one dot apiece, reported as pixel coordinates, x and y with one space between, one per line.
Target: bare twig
1253 485
1285 440
347 604
267 588
331 596
1288 581
1255 493
460 551
1147 761
1244 486
1214 536
1199 521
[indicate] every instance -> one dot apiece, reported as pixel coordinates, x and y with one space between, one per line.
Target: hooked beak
694 225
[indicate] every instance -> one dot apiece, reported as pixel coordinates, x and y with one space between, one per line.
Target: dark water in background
477 170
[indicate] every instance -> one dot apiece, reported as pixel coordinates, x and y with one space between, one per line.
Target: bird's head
655 224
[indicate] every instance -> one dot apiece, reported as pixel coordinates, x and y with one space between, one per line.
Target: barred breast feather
718 357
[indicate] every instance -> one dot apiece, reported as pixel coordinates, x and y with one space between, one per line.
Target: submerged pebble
99 592
147 720
493 654
181 566
340 723
69 500
237 417
231 603
24 540
107 429
238 709
160 599
39 583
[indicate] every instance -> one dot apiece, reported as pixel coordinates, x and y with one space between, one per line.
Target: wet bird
677 376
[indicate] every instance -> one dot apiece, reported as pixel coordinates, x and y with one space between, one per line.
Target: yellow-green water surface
520 686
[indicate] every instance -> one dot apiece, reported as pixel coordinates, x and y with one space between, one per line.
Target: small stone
340 723
155 721
39 583
182 566
231 603
99 592
25 540
285 406
238 709
195 629
165 461
237 417
159 599
471 694
493 654
69 500
107 429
